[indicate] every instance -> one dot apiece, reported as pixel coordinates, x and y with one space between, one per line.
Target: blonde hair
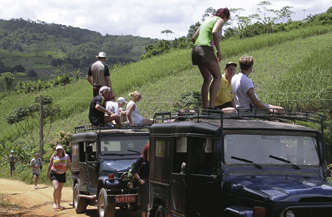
135 94
246 62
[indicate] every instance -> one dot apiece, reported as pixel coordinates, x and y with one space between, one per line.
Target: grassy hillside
291 69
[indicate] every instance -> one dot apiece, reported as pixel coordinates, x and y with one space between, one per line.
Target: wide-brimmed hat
59 147
12 151
101 55
230 63
121 99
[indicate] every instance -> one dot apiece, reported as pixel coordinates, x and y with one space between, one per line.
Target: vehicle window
180 156
299 150
160 148
202 155
123 145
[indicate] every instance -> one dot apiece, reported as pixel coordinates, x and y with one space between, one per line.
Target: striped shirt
59 164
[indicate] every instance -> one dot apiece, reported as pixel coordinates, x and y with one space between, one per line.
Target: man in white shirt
245 97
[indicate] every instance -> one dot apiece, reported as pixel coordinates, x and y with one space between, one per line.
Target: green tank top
205 33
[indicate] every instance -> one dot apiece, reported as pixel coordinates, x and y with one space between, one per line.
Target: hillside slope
162 80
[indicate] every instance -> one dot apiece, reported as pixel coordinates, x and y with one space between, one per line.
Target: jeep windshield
297 150
123 145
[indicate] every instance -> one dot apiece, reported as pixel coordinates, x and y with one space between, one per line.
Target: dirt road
39 202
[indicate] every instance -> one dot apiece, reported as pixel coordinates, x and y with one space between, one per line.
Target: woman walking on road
56 172
205 38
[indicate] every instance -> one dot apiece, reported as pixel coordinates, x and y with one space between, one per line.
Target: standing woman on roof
141 171
56 172
205 38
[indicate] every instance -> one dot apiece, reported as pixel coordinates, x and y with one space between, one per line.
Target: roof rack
276 114
100 128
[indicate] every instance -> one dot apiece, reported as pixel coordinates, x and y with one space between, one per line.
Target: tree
192 30
264 5
8 78
208 12
167 31
24 117
285 13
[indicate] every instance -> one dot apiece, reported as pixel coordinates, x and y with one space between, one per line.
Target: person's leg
214 68
60 194
55 184
113 117
35 178
205 86
147 122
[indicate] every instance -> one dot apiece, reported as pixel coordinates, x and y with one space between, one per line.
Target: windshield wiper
247 161
285 161
131 150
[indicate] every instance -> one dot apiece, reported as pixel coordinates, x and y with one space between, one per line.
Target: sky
144 18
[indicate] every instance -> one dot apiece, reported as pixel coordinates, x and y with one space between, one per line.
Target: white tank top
135 115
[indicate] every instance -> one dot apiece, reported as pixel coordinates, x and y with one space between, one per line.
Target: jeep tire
79 203
105 209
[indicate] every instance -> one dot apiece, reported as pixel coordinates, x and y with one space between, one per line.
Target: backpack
131 176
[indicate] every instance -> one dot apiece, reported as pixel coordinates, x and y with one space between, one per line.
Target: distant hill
42 47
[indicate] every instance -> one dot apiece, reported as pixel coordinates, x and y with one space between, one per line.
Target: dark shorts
201 54
35 174
12 167
61 178
97 121
144 194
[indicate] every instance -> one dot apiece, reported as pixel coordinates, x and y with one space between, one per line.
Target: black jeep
249 164
101 160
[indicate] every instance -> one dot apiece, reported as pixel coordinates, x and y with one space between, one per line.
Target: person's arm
49 166
215 33
136 167
32 164
129 111
89 80
102 109
109 84
194 37
257 103
69 163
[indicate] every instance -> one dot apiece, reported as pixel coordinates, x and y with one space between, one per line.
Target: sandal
61 208
55 206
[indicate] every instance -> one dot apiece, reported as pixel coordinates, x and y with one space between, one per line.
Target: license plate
125 199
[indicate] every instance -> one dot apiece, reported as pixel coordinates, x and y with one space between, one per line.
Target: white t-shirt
136 118
241 84
113 107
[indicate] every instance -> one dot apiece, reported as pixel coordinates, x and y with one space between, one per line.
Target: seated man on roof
245 97
98 115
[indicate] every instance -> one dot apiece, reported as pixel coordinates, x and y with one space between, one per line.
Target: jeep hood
116 165
278 189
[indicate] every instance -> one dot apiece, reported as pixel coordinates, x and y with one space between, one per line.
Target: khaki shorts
201 54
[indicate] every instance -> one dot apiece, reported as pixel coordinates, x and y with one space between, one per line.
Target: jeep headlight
130 185
289 213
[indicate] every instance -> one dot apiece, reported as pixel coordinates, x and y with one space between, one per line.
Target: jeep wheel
79 203
160 212
105 209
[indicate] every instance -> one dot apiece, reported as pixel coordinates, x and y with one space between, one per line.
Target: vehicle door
204 183
92 164
178 175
